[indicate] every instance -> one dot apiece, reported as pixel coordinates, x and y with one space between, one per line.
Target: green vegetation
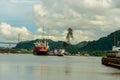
14 51
104 43
93 48
98 53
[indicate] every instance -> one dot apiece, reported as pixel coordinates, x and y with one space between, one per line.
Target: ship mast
43 32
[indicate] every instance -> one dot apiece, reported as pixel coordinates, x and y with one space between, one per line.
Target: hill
29 45
104 43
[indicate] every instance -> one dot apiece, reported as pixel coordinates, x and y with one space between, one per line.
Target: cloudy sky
89 19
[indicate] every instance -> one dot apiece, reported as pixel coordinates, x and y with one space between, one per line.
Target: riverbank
14 51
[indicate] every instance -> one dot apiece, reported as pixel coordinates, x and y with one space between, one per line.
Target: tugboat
41 48
112 58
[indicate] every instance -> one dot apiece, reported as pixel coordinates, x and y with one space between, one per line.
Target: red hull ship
41 48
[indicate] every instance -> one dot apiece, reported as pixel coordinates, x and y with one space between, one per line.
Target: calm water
29 67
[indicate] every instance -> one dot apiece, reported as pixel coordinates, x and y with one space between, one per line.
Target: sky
89 19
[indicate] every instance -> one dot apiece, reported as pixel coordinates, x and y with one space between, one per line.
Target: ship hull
41 53
114 62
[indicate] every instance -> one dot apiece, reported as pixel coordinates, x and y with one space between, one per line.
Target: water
30 67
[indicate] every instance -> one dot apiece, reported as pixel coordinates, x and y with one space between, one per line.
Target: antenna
48 33
43 32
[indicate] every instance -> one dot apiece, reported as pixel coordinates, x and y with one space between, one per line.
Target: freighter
41 48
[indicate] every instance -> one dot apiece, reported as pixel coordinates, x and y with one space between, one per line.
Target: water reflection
67 69
27 67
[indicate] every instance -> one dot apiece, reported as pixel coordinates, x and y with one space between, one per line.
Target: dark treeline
95 48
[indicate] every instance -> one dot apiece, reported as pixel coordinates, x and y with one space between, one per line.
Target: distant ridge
104 43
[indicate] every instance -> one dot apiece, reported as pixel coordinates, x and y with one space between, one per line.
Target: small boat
59 52
41 48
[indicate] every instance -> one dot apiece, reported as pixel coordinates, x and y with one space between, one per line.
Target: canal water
30 67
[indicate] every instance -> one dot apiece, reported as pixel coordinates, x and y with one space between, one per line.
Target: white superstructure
115 52
114 48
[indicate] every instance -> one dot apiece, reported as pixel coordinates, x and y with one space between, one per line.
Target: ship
41 48
59 52
112 58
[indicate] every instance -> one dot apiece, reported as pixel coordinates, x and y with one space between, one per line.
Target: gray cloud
90 19
88 16
116 3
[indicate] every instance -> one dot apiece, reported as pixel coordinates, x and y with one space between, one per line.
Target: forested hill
104 43
29 45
